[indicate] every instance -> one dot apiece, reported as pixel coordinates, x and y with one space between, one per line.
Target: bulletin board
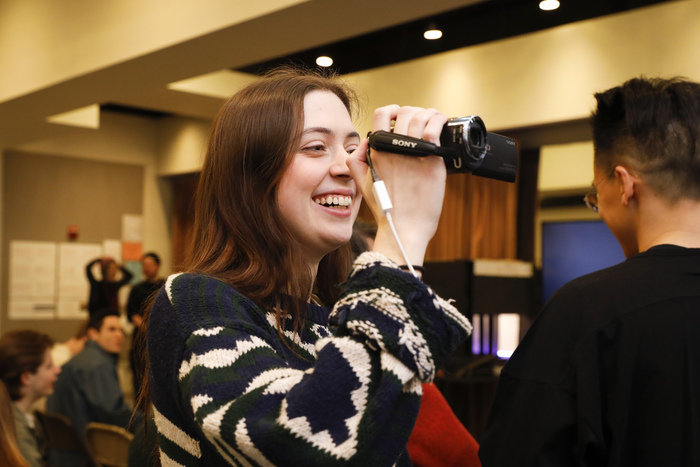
58 211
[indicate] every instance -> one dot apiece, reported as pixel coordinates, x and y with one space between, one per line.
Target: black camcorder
465 145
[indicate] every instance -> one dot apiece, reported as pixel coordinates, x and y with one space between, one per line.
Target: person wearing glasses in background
609 374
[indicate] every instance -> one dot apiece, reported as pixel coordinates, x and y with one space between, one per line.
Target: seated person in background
61 352
609 373
10 456
64 351
105 293
135 308
88 388
28 372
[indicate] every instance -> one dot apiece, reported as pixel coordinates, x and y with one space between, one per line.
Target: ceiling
359 34
473 24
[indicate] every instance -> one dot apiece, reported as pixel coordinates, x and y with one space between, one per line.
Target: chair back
61 435
109 444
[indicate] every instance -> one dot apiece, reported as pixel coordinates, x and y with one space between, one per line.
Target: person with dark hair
139 299
88 387
10 455
104 293
247 367
609 373
28 372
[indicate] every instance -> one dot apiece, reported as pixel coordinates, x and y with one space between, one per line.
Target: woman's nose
339 167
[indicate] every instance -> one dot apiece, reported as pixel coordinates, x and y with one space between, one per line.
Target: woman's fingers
383 116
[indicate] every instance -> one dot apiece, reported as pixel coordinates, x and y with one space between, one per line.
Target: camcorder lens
476 137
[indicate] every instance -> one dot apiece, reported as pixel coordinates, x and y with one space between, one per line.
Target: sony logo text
400 142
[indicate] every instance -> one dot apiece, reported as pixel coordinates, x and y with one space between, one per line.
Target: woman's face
317 197
41 383
112 270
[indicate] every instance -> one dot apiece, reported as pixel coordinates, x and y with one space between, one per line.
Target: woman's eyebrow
319 129
328 131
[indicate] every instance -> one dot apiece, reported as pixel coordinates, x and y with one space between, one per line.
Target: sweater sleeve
390 310
355 404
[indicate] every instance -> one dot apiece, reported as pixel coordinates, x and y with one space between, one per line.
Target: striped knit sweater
228 391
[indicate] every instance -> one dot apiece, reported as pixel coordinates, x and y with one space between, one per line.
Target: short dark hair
98 317
21 351
652 125
155 257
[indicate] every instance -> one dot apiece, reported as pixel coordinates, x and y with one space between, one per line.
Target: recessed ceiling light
324 61
548 5
432 33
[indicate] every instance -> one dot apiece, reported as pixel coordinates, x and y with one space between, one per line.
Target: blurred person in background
88 388
28 372
104 293
139 298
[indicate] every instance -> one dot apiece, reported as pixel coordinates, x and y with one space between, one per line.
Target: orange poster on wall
132 251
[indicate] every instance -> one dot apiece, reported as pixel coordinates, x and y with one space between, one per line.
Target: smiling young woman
246 364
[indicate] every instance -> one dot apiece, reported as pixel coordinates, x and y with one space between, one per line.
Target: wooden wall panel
184 187
478 220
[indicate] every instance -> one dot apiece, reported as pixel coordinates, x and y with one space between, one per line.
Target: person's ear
24 378
626 182
92 334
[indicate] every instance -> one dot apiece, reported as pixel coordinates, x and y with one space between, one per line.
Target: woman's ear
626 181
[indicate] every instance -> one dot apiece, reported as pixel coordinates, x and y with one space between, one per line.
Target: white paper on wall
73 285
32 281
71 309
132 228
31 309
113 249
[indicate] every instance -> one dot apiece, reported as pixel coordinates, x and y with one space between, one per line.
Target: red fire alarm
73 232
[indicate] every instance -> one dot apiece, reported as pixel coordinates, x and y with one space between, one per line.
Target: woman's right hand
416 185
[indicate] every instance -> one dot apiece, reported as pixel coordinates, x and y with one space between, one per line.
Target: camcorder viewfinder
465 146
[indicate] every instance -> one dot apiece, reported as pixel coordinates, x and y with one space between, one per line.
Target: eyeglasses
591 200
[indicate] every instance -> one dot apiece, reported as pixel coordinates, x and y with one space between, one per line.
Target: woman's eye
351 149
315 148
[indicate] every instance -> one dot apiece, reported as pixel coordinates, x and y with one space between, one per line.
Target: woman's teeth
342 201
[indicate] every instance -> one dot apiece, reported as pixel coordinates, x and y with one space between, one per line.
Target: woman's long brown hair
239 236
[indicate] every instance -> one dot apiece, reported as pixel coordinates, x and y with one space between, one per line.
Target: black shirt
609 373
